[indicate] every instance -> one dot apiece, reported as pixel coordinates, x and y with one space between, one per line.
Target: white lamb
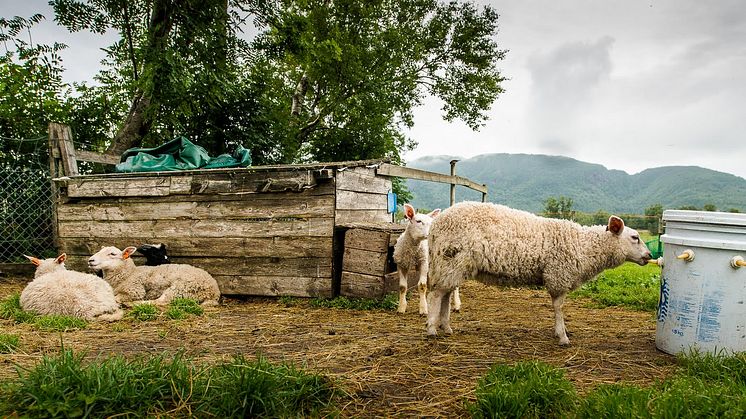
505 246
153 284
411 255
56 290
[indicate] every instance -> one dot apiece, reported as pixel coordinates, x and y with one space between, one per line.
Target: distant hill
525 181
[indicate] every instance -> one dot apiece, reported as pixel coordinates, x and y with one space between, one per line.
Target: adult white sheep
153 284
502 245
56 290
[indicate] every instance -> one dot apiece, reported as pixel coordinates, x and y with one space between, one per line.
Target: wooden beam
85 155
386 169
63 136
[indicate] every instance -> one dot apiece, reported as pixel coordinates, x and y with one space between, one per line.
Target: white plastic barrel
703 292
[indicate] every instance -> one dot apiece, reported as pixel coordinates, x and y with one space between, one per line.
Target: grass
389 302
66 386
179 308
8 343
10 309
630 285
524 390
704 385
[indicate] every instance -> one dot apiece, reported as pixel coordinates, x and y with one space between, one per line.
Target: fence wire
25 201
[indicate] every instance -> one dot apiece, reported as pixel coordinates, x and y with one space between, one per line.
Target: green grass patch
181 308
524 390
144 312
66 386
10 309
630 285
8 343
56 323
704 385
389 302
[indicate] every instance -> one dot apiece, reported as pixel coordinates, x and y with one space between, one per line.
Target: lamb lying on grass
153 284
155 254
56 290
505 246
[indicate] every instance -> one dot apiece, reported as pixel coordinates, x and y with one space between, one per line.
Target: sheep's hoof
431 331
447 330
423 312
564 342
457 309
402 309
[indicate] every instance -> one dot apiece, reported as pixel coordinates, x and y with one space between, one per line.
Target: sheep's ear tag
33 260
616 225
61 258
128 252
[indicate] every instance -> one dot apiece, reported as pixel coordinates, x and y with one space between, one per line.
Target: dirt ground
383 360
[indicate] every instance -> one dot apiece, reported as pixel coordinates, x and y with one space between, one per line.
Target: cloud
563 82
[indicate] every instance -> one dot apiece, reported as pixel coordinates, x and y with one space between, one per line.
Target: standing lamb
410 255
56 290
502 245
153 284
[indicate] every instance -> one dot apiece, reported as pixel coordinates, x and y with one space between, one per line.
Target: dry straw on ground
383 360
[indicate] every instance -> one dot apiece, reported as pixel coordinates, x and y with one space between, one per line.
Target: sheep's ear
408 211
616 225
61 258
127 252
33 260
434 213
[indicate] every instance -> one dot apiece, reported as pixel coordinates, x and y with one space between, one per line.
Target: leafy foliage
560 207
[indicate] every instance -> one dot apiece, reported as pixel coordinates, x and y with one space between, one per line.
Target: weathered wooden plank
363 180
364 261
290 206
25 270
90 156
359 285
217 228
348 200
359 216
249 266
209 247
371 240
262 182
154 186
275 286
386 169
64 138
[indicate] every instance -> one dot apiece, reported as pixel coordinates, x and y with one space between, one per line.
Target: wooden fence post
453 185
61 136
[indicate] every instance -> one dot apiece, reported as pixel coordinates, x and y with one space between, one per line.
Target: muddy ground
383 359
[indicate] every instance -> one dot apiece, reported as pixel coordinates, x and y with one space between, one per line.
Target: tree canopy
292 80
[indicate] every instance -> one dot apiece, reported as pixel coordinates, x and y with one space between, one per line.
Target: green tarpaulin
179 154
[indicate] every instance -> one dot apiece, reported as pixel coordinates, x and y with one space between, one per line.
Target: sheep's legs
456 300
445 312
402 291
422 288
435 298
559 319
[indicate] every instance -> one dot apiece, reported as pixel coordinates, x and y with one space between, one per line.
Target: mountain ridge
525 181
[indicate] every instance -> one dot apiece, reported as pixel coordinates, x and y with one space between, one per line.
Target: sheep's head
633 247
155 254
419 224
110 258
45 266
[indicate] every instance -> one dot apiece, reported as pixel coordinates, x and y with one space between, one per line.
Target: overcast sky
626 84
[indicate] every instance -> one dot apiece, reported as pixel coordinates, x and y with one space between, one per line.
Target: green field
630 285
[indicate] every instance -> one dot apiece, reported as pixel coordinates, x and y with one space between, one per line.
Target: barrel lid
705 217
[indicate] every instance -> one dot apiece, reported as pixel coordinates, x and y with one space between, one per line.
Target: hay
383 360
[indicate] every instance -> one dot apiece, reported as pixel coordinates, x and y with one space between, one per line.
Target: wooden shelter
261 230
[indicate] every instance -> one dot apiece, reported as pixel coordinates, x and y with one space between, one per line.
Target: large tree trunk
143 109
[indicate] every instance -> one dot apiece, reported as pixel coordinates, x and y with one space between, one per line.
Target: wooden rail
386 169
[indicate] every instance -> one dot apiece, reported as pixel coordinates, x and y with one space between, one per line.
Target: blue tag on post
391 202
